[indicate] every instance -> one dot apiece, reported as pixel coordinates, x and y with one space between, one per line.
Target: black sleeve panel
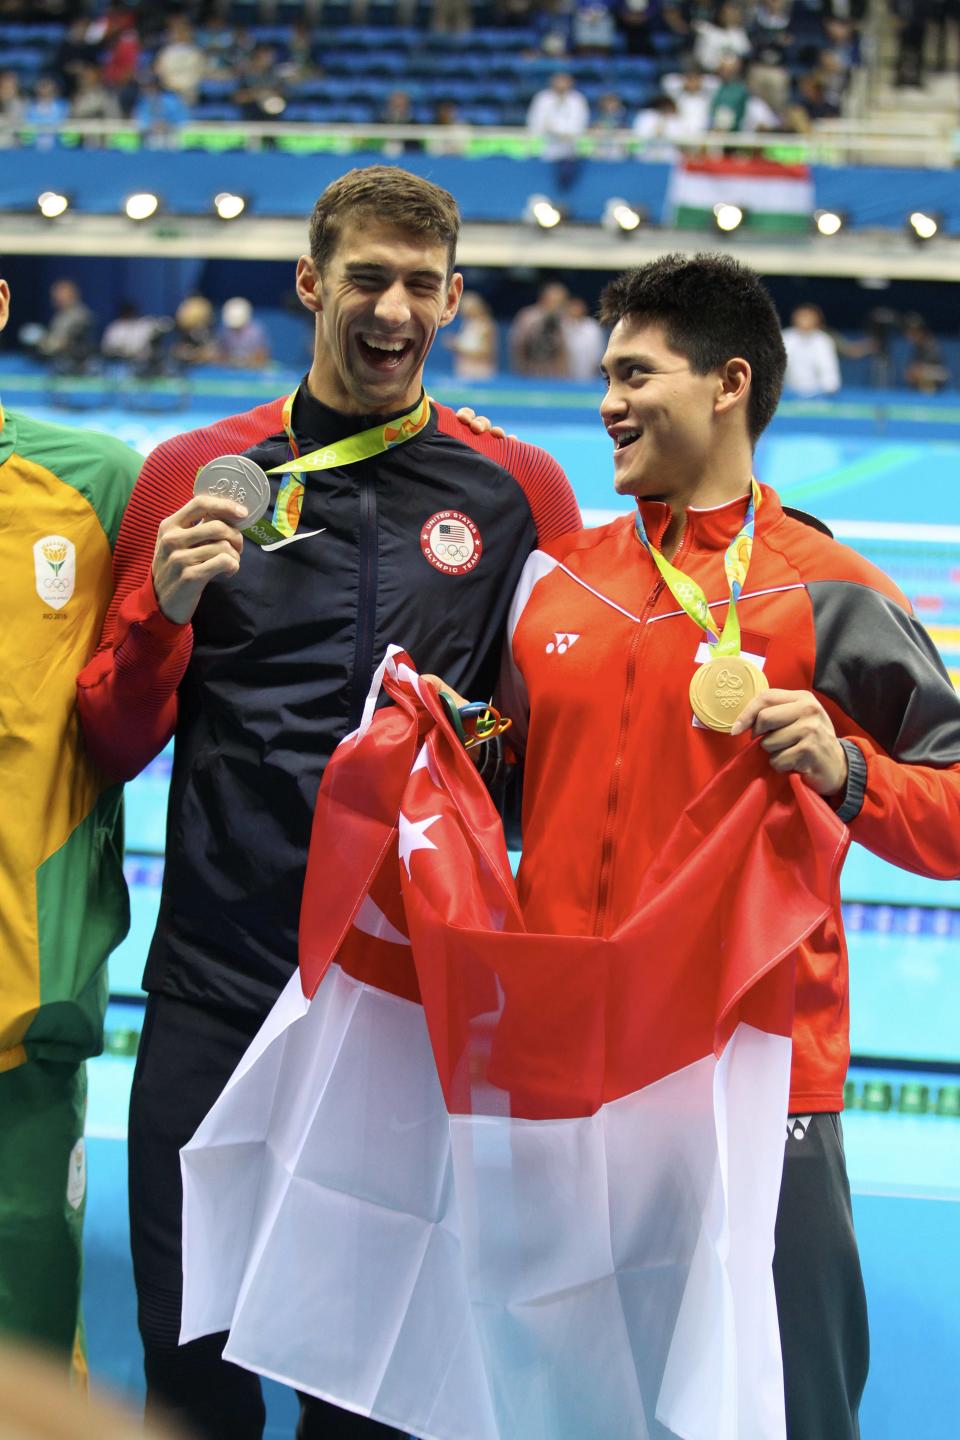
880 666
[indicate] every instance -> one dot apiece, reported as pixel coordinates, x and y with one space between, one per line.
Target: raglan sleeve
127 692
898 718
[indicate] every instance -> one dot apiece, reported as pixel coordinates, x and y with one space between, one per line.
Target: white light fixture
229 206
540 210
52 204
619 214
727 217
923 224
828 222
142 205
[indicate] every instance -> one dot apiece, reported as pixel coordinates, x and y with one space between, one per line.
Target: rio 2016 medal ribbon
721 688
238 478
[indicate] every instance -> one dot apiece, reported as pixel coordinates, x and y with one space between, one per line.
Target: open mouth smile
383 353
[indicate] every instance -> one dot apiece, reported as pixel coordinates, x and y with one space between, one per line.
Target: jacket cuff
856 782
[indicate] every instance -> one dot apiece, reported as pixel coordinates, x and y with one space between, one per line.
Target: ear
4 303
454 294
308 285
733 385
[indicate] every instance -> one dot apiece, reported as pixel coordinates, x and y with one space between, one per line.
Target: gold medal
722 687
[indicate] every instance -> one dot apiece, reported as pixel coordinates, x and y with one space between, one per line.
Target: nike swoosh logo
292 539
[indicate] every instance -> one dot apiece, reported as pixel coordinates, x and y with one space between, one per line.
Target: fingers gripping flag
483 1184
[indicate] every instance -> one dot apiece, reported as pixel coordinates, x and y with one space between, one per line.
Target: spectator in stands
660 127
91 98
242 341
454 141
833 76
451 17
586 340
121 66
724 36
610 119
80 46
398 110
194 341
728 109
474 343
13 104
811 100
260 91
812 364
298 63
593 29
537 340
637 20
180 62
47 107
560 115
131 337
910 19
924 370
159 112
68 341
771 41
693 92
218 41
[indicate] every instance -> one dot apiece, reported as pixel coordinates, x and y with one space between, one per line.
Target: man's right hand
194 546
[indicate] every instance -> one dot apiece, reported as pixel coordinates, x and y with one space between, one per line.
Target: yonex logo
561 642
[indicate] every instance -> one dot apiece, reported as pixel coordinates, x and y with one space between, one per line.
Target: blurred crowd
722 65
555 337
147 345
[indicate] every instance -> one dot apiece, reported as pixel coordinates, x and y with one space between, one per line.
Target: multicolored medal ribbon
363 446
722 686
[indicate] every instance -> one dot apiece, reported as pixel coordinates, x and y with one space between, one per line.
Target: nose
393 306
612 406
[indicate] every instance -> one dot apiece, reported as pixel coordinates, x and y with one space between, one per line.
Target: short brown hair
391 195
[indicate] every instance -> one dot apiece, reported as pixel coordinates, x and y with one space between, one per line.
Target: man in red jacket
643 655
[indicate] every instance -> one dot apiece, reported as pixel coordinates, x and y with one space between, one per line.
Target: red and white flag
483 1184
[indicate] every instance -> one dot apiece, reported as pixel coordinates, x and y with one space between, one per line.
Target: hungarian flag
775 197
483 1184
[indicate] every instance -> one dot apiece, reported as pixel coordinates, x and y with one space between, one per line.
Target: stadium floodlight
620 215
142 205
727 217
229 206
828 222
540 210
923 224
52 204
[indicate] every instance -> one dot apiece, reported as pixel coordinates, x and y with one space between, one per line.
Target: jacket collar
713 528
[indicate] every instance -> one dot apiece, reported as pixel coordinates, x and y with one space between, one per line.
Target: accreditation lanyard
688 593
363 446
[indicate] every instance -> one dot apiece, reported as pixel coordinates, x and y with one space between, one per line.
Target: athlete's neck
317 419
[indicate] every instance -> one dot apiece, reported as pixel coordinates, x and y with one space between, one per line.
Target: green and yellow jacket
63 902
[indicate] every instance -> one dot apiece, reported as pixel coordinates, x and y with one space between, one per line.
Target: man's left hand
798 735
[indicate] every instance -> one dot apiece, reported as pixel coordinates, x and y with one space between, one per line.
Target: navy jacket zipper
366 599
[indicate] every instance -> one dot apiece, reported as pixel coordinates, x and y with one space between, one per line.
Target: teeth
627 438
392 347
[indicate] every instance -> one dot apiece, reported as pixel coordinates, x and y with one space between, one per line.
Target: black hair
711 308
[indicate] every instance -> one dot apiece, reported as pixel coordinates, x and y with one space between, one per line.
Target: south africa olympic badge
451 543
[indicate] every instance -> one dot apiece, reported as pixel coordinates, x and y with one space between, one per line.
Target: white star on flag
413 837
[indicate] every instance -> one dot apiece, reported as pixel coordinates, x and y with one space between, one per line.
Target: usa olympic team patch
451 542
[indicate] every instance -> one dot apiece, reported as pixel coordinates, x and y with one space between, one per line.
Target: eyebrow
375 267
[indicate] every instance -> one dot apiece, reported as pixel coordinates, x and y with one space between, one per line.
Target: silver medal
238 478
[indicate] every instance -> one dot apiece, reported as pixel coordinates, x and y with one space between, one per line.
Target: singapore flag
483 1184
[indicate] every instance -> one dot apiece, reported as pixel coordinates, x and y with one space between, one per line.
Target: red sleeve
548 491
127 694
